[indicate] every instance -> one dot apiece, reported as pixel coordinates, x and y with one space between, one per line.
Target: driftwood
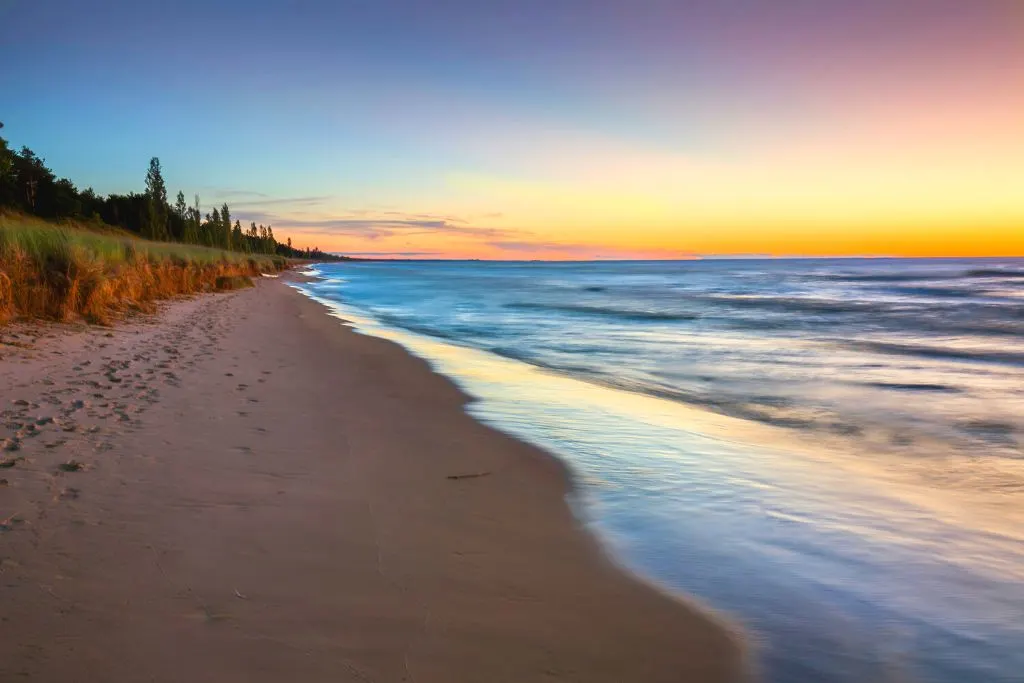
468 476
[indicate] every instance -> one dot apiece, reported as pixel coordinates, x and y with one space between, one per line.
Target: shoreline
573 488
309 538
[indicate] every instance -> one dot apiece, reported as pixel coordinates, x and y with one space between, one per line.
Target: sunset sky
545 128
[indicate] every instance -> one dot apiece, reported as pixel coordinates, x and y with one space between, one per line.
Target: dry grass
66 272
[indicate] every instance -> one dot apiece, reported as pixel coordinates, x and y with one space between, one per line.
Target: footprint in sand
28 431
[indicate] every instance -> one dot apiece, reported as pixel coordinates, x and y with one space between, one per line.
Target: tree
180 207
189 218
195 218
7 189
33 182
178 218
237 239
65 200
156 202
225 227
27 185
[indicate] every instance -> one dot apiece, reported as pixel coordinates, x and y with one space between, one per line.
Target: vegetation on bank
27 186
69 271
66 253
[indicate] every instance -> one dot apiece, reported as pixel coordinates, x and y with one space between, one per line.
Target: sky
550 129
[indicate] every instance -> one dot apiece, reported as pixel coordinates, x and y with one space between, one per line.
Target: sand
241 489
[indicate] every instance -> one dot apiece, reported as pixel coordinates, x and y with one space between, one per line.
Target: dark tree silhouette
29 186
156 202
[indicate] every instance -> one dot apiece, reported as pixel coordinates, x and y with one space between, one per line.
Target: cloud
389 253
422 216
391 223
541 246
286 201
221 193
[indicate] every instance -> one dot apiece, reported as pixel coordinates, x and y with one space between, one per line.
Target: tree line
29 186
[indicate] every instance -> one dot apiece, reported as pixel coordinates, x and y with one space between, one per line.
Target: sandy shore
241 489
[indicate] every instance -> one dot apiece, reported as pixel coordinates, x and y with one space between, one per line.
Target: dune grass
63 272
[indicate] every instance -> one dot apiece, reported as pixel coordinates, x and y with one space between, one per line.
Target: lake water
830 452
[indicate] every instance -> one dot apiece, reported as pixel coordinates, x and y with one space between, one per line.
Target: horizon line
764 257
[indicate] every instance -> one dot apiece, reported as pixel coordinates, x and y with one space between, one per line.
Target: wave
785 304
937 352
623 314
460 334
770 410
909 386
883 277
997 328
939 292
996 272
1014 273
580 372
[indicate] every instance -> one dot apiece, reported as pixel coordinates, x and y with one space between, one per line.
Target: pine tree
213 228
181 217
155 227
180 207
195 216
225 229
236 237
7 189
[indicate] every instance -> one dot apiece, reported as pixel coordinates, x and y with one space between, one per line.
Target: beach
824 450
240 488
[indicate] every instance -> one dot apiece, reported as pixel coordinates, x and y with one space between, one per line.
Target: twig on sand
473 475
8 524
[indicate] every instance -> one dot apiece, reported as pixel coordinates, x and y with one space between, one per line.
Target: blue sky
562 123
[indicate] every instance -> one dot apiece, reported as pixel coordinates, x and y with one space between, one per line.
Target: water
831 452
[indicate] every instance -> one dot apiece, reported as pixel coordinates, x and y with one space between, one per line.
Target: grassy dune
70 271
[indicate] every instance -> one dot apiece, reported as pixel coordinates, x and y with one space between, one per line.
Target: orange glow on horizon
881 165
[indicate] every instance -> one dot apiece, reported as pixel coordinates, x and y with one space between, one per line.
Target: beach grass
69 271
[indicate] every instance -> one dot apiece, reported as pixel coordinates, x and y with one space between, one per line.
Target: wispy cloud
546 249
400 254
540 246
222 193
391 223
286 201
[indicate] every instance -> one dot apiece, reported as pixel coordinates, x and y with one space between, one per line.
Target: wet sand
242 489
